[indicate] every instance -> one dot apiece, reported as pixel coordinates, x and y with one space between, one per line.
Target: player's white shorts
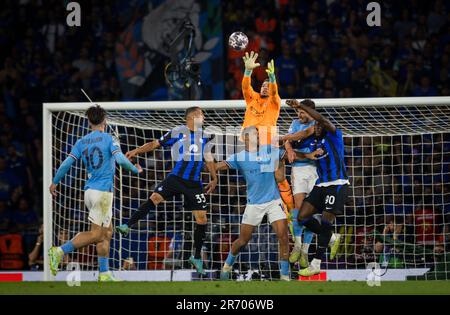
303 179
254 214
99 204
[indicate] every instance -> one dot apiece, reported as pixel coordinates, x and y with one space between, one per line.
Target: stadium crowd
321 49
328 50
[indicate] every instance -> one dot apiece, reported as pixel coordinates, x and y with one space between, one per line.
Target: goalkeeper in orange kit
262 111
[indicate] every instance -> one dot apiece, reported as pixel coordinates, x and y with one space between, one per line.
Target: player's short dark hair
96 114
308 103
190 110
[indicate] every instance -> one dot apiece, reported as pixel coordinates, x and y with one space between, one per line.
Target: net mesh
396 214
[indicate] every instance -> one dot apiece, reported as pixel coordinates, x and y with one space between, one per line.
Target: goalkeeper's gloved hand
250 62
271 71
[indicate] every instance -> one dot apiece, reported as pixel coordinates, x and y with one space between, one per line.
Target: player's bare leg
300 250
80 240
244 237
280 228
141 213
201 220
103 256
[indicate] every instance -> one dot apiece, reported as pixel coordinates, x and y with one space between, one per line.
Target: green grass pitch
231 287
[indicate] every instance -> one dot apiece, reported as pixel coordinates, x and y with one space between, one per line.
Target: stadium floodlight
392 147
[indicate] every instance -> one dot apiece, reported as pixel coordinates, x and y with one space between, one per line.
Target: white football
238 41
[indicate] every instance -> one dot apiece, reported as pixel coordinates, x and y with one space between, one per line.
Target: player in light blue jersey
99 152
263 197
303 178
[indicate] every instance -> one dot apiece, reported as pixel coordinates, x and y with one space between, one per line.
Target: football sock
67 247
323 239
332 239
284 267
286 194
307 236
296 229
199 237
103 264
312 224
142 212
230 259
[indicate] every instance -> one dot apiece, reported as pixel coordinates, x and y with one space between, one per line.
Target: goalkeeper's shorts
99 204
254 214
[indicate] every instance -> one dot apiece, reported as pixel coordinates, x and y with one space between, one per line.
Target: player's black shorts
194 198
330 199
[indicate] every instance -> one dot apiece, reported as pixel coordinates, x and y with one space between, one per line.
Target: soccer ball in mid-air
238 41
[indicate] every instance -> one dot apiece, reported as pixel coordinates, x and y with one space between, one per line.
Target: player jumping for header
99 151
304 177
331 189
262 111
189 150
263 198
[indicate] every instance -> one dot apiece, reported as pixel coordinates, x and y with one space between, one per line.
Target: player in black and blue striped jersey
190 151
331 189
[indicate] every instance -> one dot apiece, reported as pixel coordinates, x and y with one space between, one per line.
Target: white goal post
387 141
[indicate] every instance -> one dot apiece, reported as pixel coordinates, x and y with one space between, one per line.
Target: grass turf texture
231 287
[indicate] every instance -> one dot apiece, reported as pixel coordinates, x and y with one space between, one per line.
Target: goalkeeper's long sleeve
125 163
63 169
247 90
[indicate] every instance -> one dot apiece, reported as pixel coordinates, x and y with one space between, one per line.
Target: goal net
397 153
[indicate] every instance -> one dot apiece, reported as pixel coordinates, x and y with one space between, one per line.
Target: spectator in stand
287 69
390 244
36 256
18 166
85 68
8 181
425 88
5 217
427 228
26 221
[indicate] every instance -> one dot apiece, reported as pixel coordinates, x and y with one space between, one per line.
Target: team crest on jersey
193 148
256 112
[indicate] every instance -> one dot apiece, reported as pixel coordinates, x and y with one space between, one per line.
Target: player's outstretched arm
328 125
299 135
211 166
301 156
250 64
126 164
148 147
60 173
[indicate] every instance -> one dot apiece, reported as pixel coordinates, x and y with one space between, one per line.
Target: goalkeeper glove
271 71
250 62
